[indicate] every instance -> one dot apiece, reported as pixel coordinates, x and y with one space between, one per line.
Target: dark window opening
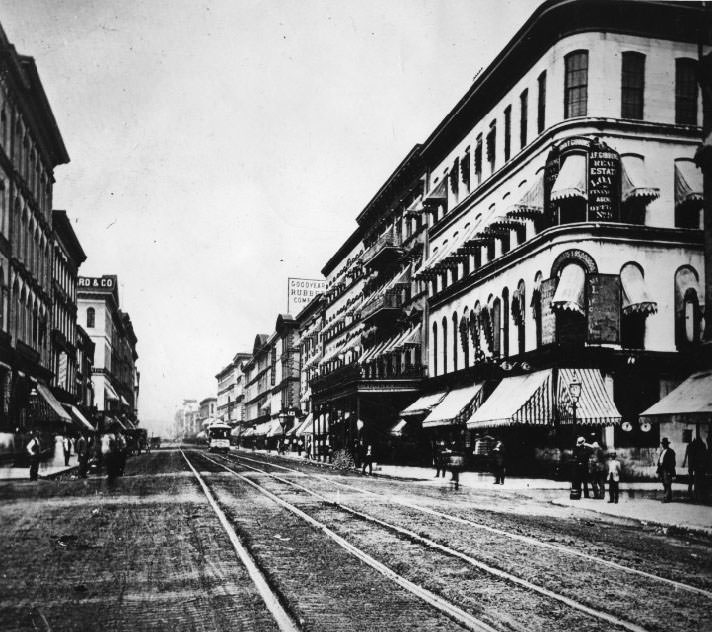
91 315
633 393
507 132
541 103
505 323
632 85
523 104
570 329
491 144
633 211
435 349
478 159
685 91
576 84
444 346
633 331
455 342
572 210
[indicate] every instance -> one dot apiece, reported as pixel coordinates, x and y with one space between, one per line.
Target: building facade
231 390
114 374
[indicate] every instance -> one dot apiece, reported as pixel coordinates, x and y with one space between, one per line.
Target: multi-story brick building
231 388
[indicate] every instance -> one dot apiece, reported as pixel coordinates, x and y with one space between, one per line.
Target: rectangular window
507 132
465 170
576 84
478 159
491 144
541 103
632 85
523 104
685 91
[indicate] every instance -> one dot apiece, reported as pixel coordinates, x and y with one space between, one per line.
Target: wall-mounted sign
301 291
548 316
604 308
106 283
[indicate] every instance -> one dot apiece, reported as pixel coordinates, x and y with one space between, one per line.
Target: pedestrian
596 467
300 446
67 448
498 463
580 473
109 455
666 469
614 477
439 457
456 459
696 460
82 448
121 453
33 454
367 460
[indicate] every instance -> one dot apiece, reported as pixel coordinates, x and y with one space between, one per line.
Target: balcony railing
390 303
387 246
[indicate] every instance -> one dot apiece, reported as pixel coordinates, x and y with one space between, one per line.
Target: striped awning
569 293
571 181
635 295
80 420
635 182
691 402
423 405
52 402
688 183
262 429
531 204
521 399
455 407
275 428
307 427
595 406
295 430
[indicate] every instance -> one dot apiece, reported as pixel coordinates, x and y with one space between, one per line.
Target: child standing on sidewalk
613 477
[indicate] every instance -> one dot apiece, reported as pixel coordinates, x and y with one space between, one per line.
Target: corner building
546 234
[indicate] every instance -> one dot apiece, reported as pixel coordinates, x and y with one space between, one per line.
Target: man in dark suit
666 468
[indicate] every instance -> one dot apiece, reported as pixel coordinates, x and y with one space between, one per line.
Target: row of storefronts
533 271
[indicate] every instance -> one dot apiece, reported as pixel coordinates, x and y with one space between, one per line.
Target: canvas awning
635 295
531 204
569 293
437 196
80 420
397 429
423 405
455 406
109 392
416 208
262 429
520 399
688 183
635 182
297 427
571 181
307 427
275 428
595 406
249 432
52 402
371 353
123 401
691 402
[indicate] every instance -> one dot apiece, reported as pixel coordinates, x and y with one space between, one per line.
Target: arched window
505 322
455 341
688 312
496 315
465 336
519 315
536 309
444 345
90 317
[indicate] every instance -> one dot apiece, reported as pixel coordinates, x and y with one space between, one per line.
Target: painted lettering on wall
302 291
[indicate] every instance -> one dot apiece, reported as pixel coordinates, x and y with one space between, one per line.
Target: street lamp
574 396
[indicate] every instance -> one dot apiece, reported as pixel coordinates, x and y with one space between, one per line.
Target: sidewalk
639 501
49 467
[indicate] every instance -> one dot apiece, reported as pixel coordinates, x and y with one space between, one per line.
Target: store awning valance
275 428
437 196
249 432
595 406
571 181
635 294
691 402
521 399
688 183
371 354
262 429
297 427
307 427
635 182
455 407
80 420
423 405
52 402
531 204
397 429
569 293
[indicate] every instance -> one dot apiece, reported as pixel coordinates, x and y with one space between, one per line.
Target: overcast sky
218 147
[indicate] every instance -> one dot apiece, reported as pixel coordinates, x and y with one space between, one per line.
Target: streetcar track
449 609
427 542
269 596
514 536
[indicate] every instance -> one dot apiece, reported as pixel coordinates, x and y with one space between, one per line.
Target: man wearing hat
666 468
580 474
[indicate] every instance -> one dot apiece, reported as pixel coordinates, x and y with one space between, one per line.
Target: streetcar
219 437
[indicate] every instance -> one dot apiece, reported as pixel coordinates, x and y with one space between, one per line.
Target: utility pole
703 158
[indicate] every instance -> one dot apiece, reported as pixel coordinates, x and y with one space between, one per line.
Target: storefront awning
295 431
570 290
455 406
109 392
397 429
262 429
688 183
521 399
595 406
80 420
531 204
52 402
249 432
635 295
274 429
437 196
691 402
571 181
635 182
123 401
423 405
307 427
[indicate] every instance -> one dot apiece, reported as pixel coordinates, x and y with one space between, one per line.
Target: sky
219 147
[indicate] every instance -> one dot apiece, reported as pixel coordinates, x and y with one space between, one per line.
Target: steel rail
514 536
572 603
450 610
284 621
